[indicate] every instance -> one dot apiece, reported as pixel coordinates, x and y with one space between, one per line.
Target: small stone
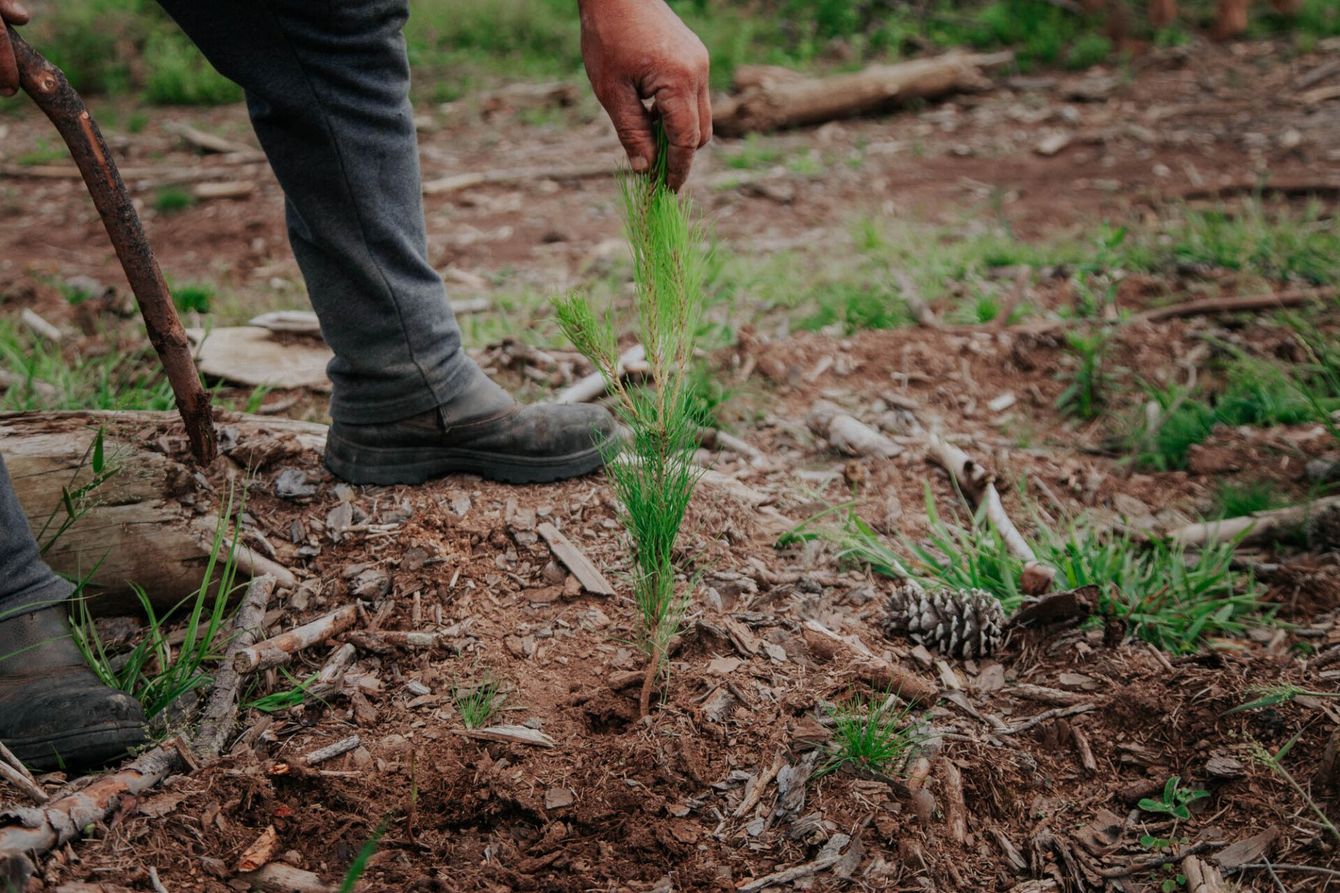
557 798
292 483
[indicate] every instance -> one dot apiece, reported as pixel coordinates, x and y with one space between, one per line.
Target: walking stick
49 88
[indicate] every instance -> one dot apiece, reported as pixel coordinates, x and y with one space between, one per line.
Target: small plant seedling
1083 397
655 480
869 734
1175 800
478 703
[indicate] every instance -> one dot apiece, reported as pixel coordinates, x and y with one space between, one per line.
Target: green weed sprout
869 734
477 704
1175 801
656 477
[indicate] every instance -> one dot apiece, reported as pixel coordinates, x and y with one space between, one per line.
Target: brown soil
622 803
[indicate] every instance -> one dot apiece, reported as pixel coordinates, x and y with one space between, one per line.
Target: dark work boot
54 713
481 431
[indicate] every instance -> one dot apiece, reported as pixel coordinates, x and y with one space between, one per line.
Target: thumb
13 11
632 123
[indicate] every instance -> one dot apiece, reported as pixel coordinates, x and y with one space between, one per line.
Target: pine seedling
655 477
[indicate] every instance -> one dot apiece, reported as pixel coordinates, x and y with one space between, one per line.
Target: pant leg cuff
49 594
452 379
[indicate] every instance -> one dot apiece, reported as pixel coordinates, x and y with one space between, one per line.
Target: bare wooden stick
1085 750
22 781
279 877
220 711
281 648
28 783
331 676
32 831
869 667
1214 306
1256 528
331 751
386 641
52 93
956 812
848 434
588 388
977 485
509 175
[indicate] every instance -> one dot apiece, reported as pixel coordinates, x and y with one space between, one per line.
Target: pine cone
957 622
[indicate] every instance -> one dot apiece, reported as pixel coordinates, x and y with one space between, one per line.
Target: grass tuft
871 734
155 672
478 703
1167 595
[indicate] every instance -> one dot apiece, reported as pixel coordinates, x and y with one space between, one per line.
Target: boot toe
70 722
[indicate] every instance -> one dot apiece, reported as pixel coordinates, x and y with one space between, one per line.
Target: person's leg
53 711
327 85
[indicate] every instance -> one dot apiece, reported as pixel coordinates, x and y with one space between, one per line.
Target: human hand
636 50
12 12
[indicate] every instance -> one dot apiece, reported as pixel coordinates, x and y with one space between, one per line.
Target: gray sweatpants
327 86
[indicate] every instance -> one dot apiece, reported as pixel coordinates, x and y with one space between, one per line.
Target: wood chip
260 851
573 559
331 751
1248 850
512 735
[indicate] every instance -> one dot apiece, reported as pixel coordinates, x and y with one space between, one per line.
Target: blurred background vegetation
131 47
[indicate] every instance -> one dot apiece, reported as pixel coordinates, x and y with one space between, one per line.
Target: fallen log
147 519
770 98
974 482
33 831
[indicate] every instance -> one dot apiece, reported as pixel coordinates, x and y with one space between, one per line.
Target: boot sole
415 465
82 749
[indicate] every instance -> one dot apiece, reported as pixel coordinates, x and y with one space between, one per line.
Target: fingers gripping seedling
656 478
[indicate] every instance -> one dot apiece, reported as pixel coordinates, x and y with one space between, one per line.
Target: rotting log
52 93
770 98
33 831
151 521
